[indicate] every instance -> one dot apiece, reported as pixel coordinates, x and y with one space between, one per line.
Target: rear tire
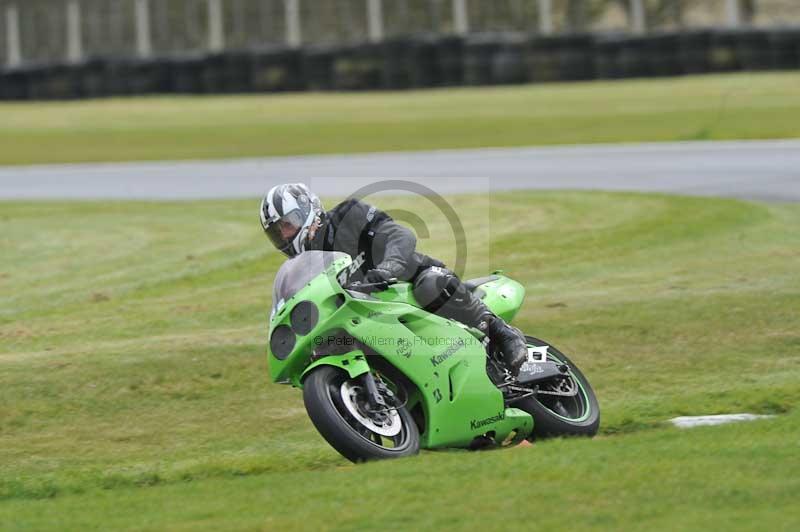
581 417
345 432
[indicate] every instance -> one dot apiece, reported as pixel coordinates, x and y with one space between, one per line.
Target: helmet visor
283 232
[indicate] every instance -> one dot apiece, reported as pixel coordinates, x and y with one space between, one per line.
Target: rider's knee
433 287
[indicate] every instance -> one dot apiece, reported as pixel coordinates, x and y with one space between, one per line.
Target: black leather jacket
355 227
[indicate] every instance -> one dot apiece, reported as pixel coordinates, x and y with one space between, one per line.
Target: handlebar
368 288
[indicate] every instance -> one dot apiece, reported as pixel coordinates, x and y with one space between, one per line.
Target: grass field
740 106
134 391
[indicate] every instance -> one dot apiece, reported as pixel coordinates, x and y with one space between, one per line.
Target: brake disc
390 425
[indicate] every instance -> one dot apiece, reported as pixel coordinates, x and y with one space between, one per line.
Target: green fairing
444 360
503 295
354 363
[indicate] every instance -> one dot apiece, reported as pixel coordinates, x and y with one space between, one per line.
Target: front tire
335 405
556 416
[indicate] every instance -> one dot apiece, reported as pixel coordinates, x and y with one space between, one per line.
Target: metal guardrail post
144 44
733 13
375 20
294 34
216 31
13 45
74 33
460 17
545 16
638 22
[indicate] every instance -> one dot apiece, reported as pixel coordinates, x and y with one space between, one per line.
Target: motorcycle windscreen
297 272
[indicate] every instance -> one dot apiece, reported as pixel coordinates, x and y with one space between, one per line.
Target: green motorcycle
382 378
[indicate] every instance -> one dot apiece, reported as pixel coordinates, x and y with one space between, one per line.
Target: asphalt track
758 170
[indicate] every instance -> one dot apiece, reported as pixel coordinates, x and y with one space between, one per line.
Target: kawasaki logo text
438 359
478 423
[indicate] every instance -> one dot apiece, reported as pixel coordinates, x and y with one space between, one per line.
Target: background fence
92 48
53 31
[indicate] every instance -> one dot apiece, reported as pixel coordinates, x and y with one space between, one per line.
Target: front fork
376 391
355 365
374 397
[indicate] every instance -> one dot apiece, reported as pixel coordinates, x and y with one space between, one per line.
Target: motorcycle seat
472 284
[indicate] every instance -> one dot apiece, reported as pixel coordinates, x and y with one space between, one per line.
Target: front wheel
338 407
569 408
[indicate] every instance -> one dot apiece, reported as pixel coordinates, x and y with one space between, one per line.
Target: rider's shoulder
353 208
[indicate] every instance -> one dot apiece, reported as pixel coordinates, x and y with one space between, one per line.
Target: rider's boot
509 340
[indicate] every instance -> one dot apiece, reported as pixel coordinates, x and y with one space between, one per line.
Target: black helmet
287 212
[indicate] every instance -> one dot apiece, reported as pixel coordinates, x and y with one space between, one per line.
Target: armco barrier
576 57
753 50
228 72
508 62
785 49
695 51
186 74
359 68
132 76
276 70
14 84
399 57
478 58
663 52
414 62
317 68
561 58
450 61
724 52
56 82
607 50
633 59
424 63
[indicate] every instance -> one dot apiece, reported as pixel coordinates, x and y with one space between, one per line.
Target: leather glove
378 275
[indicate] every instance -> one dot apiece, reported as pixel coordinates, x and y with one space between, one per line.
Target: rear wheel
566 408
338 407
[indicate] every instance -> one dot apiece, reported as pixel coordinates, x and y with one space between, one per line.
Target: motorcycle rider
295 221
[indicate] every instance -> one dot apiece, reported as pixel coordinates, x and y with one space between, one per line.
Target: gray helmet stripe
280 197
289 202
272 212
262 214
